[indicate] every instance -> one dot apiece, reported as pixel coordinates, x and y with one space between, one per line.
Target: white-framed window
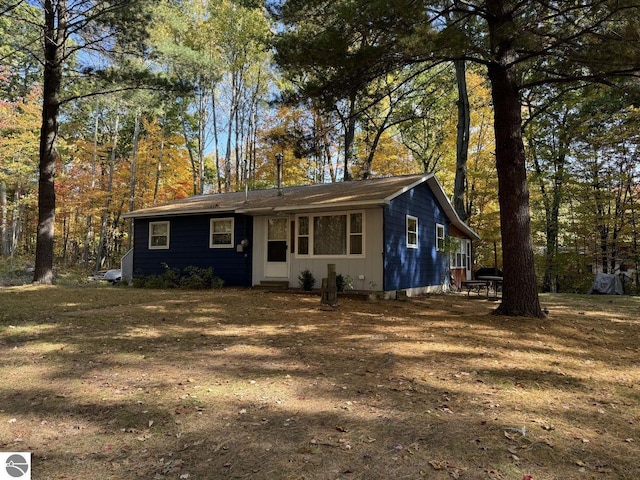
439 237
158 235
412 231
459 257
221 233
330 235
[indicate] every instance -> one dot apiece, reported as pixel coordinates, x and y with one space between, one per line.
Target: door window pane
277 229
277 251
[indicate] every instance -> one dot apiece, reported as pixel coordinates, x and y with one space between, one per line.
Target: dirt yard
118 383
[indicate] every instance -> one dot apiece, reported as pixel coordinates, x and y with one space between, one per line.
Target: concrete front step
273 284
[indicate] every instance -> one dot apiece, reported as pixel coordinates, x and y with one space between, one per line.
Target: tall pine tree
99 29
522 44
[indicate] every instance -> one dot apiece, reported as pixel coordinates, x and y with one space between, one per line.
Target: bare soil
118 383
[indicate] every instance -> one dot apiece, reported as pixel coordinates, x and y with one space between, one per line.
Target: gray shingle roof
322 196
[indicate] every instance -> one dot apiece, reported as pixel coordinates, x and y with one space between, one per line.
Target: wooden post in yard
330 291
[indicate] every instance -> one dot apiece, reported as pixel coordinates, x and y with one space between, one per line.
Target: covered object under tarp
607 283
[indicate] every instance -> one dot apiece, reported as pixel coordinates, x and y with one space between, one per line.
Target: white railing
126 266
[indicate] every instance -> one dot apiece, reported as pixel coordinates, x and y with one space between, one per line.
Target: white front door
277 265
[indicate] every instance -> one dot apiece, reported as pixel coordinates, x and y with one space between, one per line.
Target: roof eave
409 187
331 206
202 211
451 213
260 210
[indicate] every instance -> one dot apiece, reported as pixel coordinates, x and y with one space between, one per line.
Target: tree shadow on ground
242 384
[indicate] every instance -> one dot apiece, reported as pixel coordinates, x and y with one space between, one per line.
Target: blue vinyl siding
413 267
189 246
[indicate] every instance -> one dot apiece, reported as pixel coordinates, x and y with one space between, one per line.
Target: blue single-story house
386 234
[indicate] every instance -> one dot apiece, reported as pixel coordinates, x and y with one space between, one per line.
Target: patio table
495 280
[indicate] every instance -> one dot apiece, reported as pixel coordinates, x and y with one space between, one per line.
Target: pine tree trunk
553 226
238 144
54 41
215 137
202 126
635 243
156 186
102 241
550 279
4 235
16 221
192 159
520 294
134 168
462 141
349 138
94 166
232 110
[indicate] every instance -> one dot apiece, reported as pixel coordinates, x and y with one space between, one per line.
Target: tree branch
9 8
118 90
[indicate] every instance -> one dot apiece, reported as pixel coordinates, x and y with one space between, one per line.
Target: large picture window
412 232
158 235
221 233
331 235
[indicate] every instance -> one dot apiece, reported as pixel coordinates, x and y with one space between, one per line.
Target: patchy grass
114 383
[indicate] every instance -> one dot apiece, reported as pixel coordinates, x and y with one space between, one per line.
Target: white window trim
460 254
159 247
225 245
407 231
440 239
311 216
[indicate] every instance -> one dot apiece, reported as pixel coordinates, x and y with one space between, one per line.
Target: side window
459 257
439 237
158 235
221 233
412 232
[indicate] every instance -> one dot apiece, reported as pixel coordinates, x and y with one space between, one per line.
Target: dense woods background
202 98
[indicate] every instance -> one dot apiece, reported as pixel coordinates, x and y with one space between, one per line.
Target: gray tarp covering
607 283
